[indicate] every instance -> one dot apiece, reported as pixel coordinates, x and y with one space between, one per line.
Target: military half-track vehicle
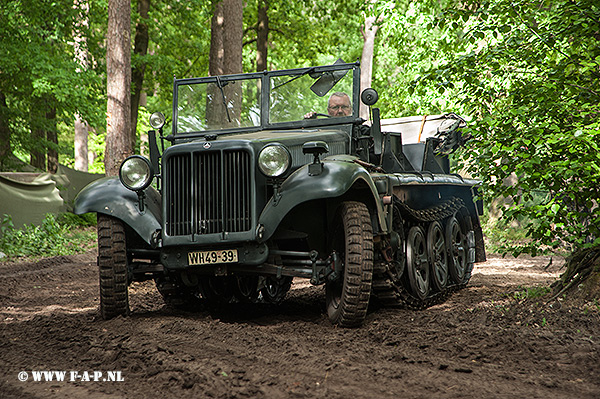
260 184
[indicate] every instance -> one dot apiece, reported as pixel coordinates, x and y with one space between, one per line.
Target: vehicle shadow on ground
304 304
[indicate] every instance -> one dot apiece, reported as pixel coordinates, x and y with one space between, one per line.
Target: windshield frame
265 79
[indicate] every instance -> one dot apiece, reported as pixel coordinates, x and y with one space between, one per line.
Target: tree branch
546 43
248 42
190 67
248 29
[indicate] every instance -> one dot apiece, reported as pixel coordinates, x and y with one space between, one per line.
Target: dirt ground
481 343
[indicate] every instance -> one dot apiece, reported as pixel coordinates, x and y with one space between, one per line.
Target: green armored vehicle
273 176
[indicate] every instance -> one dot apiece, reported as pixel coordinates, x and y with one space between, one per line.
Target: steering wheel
314 115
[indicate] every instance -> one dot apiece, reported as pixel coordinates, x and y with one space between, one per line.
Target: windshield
294 97
221 104
258 100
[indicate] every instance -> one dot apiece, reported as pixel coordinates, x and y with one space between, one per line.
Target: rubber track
358 271
112 264
389 289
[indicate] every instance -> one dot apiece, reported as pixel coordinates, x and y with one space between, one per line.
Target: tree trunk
225 58
81 144
581 278
5 147
369 30
37 158
37 152
52 137
144 147
233 32
118 74
137 73
82 128
226 34
262 36
215 57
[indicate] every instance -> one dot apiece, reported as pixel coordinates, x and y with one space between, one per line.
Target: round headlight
136 173
157 120
274 160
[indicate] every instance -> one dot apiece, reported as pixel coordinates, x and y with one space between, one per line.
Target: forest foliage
524 73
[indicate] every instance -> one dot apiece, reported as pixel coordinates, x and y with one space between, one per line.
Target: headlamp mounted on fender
136 173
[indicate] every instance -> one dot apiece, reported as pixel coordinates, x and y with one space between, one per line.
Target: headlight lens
157 120
274 160
136 173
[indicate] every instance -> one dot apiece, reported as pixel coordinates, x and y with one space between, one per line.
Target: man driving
338 105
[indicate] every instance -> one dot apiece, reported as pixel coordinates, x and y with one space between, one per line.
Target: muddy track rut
480 343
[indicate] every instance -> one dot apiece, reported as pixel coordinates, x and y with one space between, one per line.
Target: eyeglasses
339 107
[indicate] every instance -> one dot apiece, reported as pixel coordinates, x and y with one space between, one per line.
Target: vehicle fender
110 197
335 180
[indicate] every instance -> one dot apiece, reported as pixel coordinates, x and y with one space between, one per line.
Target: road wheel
245 288
417 263
275 289
436 249
457 250
112 263
217 290
347 298
178 295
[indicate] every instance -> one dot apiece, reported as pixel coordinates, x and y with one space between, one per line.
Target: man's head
339 104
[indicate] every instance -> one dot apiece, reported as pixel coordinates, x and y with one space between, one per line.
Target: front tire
112 265
347 298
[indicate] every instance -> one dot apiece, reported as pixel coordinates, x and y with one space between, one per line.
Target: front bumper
249 254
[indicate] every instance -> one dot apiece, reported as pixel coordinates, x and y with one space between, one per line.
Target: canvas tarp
417 129
70 182
27 202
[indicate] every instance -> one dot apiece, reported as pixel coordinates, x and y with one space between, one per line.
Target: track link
392 288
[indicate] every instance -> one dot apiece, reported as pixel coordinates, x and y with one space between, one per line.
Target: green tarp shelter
28 197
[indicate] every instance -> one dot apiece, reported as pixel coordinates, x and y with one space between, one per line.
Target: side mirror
369 96
327 80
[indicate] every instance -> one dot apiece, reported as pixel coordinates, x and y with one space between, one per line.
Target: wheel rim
217 289
455 240
271 289
246 288
274 290
333 289
417 262
436 249
334 293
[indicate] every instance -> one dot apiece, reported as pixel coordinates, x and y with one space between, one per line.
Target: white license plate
212 257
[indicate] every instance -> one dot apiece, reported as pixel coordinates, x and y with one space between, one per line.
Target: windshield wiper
294 78
220 86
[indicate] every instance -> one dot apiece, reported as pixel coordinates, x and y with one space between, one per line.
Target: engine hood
338 140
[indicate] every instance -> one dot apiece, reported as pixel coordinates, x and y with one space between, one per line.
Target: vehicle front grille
208 192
